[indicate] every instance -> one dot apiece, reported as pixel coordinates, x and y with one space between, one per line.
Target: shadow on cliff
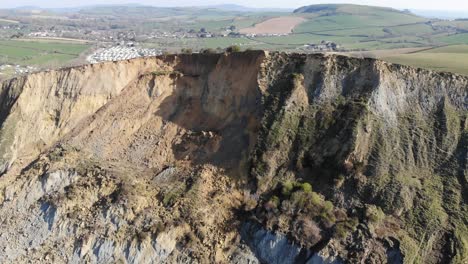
217 99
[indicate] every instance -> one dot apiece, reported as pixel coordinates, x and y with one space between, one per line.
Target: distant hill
362 20
240 8
346 9
442 14
141 11
151 8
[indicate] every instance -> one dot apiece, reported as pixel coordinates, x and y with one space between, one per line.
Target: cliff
233 158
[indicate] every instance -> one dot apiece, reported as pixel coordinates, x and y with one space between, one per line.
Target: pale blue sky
454 5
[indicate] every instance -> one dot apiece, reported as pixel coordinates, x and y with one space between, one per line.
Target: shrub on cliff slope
294 206
234 48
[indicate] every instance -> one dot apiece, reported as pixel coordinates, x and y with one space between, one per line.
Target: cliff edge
232 158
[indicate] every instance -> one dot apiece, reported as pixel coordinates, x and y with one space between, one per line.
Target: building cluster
252 35
43 34
323 46
120 52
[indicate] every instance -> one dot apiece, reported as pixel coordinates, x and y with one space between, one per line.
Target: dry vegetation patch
277 25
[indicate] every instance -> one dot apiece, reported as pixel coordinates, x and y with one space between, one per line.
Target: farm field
356 30
384 52
38 53
449 59
452 38
278 25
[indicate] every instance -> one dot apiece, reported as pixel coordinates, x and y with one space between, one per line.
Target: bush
297 76
287 188
187 51
171 197
340 100
160 73
234 48
340 215
343 228
339 181
374 214
275 200
299 199
315 199
208 51
306 187
340 230
249 201
308 231
327 207
273 203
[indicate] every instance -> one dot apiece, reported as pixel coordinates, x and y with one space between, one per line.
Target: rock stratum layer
250 157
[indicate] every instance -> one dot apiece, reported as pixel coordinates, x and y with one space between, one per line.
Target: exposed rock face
205 158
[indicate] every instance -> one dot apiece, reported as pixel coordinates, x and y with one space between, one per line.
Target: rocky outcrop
241 157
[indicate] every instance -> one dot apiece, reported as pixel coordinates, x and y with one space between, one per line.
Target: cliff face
38 109
172 159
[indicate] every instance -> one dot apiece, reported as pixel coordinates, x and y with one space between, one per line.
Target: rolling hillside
357 29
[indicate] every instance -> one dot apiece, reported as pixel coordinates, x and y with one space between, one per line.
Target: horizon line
225 4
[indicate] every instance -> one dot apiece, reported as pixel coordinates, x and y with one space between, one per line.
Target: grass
300 39
417 29
225 42
462 24
68 48
215 25
353 27
449 49
448 59
211 25
39 52
200 43
452 39
344 21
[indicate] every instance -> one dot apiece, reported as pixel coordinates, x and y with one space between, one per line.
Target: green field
362 22
452 38
449 59
352 27
356 29
38 53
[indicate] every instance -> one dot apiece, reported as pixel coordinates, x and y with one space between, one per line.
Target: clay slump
176 159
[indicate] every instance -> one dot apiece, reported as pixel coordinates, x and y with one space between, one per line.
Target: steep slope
50 104
233 158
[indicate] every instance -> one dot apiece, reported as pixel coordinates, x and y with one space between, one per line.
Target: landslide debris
237 157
